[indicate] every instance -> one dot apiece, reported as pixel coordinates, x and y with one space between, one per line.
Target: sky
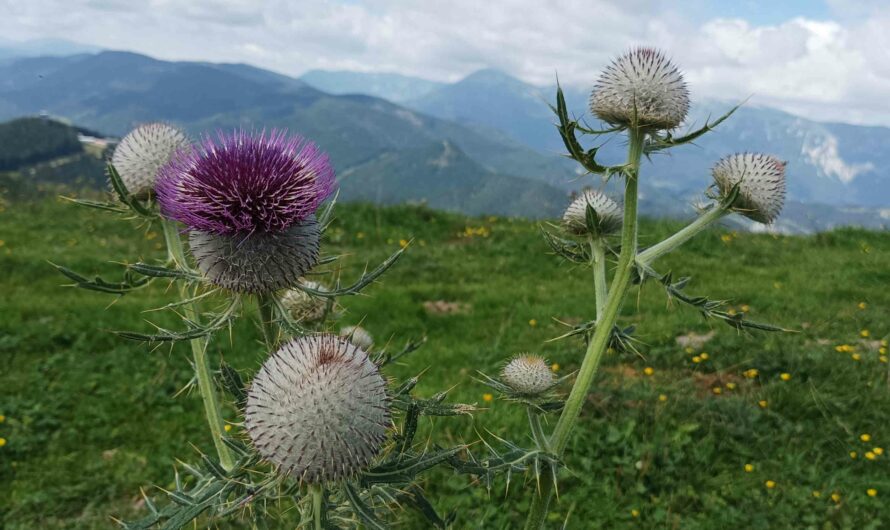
824 59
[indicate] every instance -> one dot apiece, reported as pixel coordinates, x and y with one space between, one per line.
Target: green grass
90 419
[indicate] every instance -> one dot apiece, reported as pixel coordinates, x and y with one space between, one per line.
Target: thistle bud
641 88
261 262
528 374
318 409
358 336
761 184
143 152
302 306
605 221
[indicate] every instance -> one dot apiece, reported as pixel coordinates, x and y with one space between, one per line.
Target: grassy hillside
30 140
89 419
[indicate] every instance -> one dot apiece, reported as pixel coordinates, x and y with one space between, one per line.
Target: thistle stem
714 214
318 514
534 421
600 340
267 320
598 252
206 385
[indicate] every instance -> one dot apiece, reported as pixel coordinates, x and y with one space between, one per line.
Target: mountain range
485 144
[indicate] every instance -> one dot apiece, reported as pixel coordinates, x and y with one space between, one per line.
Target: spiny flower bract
641 88
761 181
318 409
608 214
358 336
244 183
261 262
142 153
304 307
528 374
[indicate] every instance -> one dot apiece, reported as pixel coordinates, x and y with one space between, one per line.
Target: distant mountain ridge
498 129
833 169
114 91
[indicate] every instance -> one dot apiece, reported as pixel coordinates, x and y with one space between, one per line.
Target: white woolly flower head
260 262
143 152
318 409
608 215
761 182
641 88
528 374
302 306
358 336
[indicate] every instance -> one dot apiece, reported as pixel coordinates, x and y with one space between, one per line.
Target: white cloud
833 70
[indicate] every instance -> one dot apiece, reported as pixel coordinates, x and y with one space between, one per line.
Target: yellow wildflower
730 386
865 437
856 357
749 468
717 390
403 243
635 513
227 428
2 442
871 456
770 484
703 355
696 359
487 398
648 370
763 403
878 450
862 305
785 376
817 493
853 455
554 367
745 308
532 322
836 497
864 333
662 398
871 492
751 373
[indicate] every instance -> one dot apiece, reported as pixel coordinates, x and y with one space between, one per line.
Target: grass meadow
704 436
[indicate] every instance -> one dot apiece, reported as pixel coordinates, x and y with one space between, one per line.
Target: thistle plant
326 432
641 95
329 439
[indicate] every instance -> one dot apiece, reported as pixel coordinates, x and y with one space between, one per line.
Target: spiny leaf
107 206
667 141
361 283
98 284
362 510
124 194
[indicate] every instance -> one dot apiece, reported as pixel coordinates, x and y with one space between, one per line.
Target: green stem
199 353
534 421
603 332
598 251
717 212
267 320
318 514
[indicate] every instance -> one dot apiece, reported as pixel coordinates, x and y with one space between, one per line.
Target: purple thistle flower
244 183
